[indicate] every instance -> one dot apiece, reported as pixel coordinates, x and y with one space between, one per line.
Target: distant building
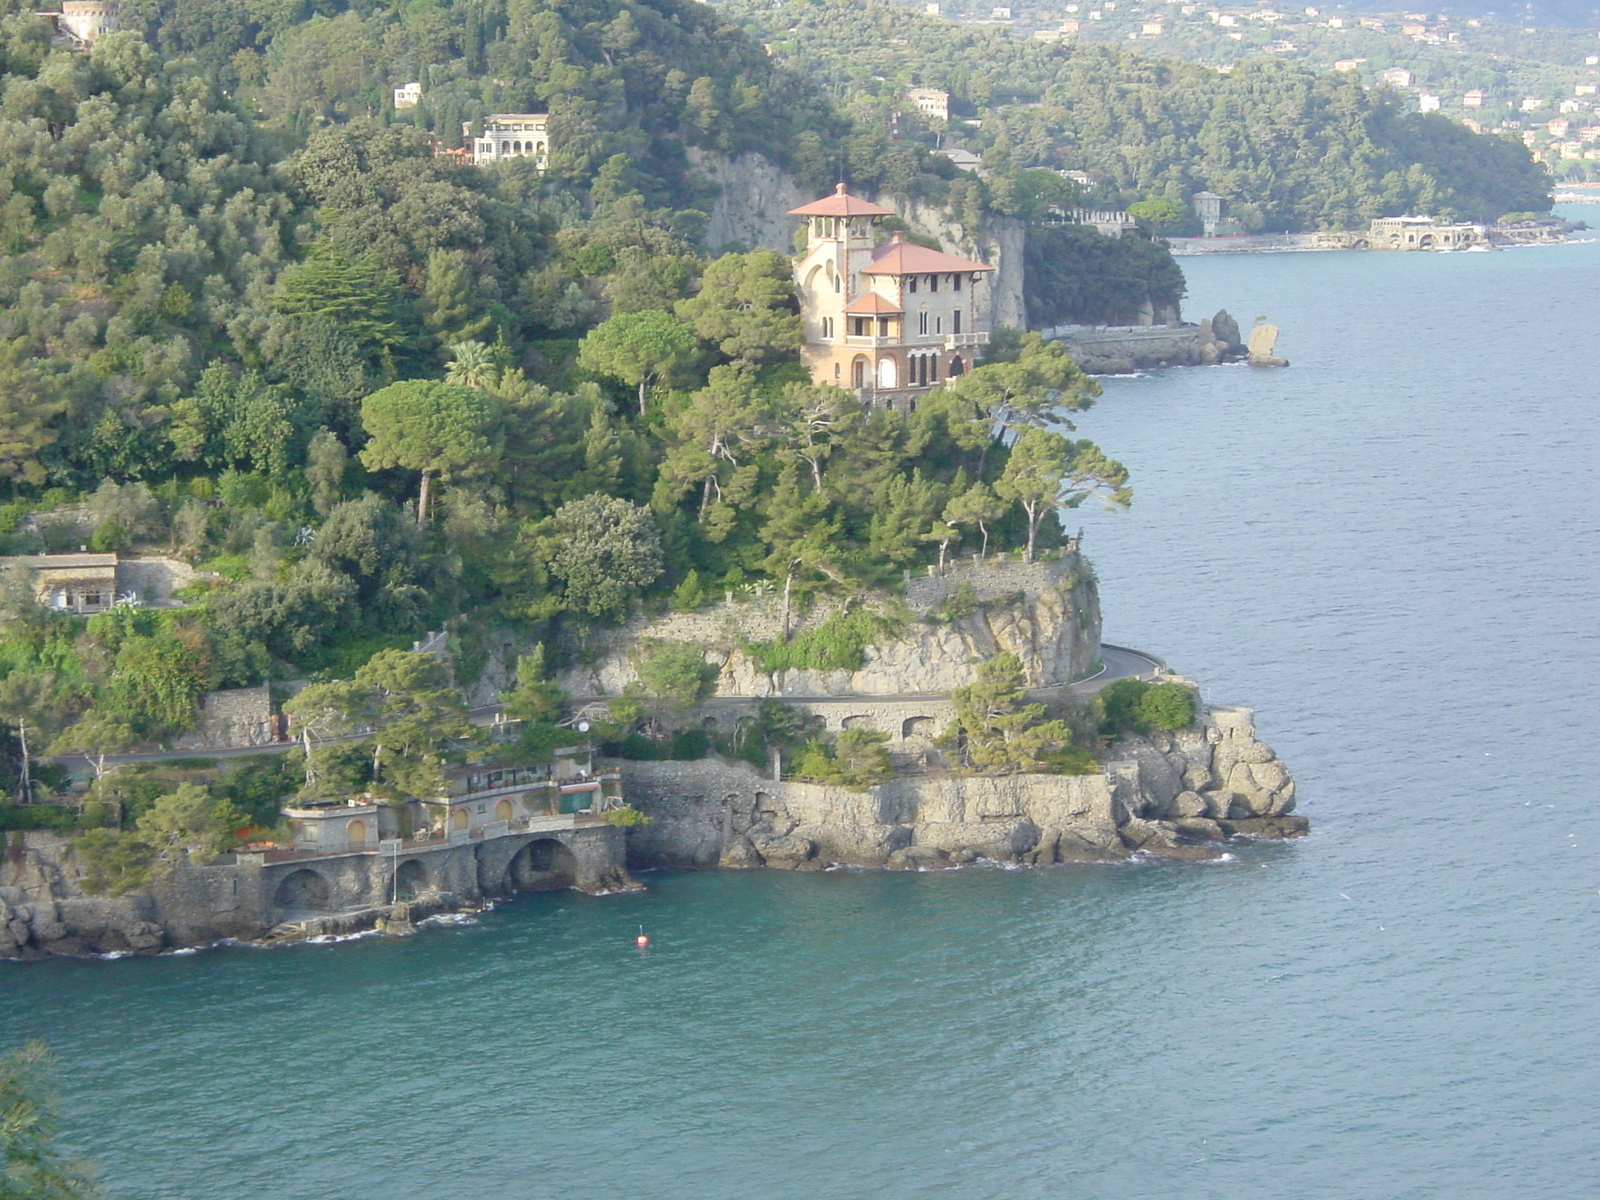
1208 207
965 159
1415 31
1001 14
1585 89
73 583
407 95
1558 126
1530 103
510 135
497 798
1348 64
82 22
1472 125
887 319
1427 103
1422 233
1151 29
1110 221
1475 98
932 102
1395 77
932 8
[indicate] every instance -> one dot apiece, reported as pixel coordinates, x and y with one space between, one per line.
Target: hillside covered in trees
1290 148
369 391
249 318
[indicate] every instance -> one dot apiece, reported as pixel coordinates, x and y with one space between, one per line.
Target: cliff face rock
1047 614
755 196
1174 795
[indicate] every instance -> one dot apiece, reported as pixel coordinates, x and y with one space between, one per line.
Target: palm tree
473 366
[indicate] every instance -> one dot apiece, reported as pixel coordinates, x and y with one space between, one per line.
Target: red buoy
641 941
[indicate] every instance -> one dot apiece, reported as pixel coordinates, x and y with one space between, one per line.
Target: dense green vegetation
250 318
1288 147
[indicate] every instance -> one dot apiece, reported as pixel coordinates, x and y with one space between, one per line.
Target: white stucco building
510 135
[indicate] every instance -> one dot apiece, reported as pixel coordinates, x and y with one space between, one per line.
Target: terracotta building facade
889 319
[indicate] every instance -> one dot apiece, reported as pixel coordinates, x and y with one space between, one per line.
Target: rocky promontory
1179 795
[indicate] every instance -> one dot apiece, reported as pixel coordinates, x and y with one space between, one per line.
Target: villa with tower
889 319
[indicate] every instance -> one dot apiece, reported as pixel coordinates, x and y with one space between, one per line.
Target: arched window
858 372
956 366
886 373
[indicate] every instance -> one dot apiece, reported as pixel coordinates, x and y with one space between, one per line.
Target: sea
1388 549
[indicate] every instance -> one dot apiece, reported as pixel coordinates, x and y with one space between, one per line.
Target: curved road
1117 662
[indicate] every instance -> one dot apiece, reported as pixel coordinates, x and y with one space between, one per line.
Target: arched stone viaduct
588 857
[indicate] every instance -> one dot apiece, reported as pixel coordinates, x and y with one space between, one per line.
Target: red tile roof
873 304
840 204
900 257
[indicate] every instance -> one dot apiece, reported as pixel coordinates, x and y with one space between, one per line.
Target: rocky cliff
1046 613
1181 795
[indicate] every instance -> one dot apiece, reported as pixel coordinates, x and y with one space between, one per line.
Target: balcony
956 341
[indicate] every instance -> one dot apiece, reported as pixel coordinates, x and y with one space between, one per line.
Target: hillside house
887 319
931 102
82 22
510 135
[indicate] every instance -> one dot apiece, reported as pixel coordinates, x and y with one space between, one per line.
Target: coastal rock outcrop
1175 795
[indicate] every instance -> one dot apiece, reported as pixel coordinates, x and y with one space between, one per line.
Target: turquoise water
1389 549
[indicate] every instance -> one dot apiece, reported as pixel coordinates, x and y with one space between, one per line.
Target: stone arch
542 865
1426 243
459 818
956 366
502 810
411 880
858 721
917 727
304 890
355 832
858 371
539 148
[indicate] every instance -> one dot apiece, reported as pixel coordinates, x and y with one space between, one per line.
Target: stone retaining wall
43 912
1177 795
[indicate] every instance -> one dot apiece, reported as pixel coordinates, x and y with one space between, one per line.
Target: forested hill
1290 148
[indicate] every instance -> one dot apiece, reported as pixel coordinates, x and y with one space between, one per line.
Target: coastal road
1116 662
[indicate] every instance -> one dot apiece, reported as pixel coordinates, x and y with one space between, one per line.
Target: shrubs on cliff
997 732
1134 706
838 644
858 758
188 824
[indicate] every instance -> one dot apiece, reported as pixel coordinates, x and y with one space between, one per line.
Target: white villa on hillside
510 135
